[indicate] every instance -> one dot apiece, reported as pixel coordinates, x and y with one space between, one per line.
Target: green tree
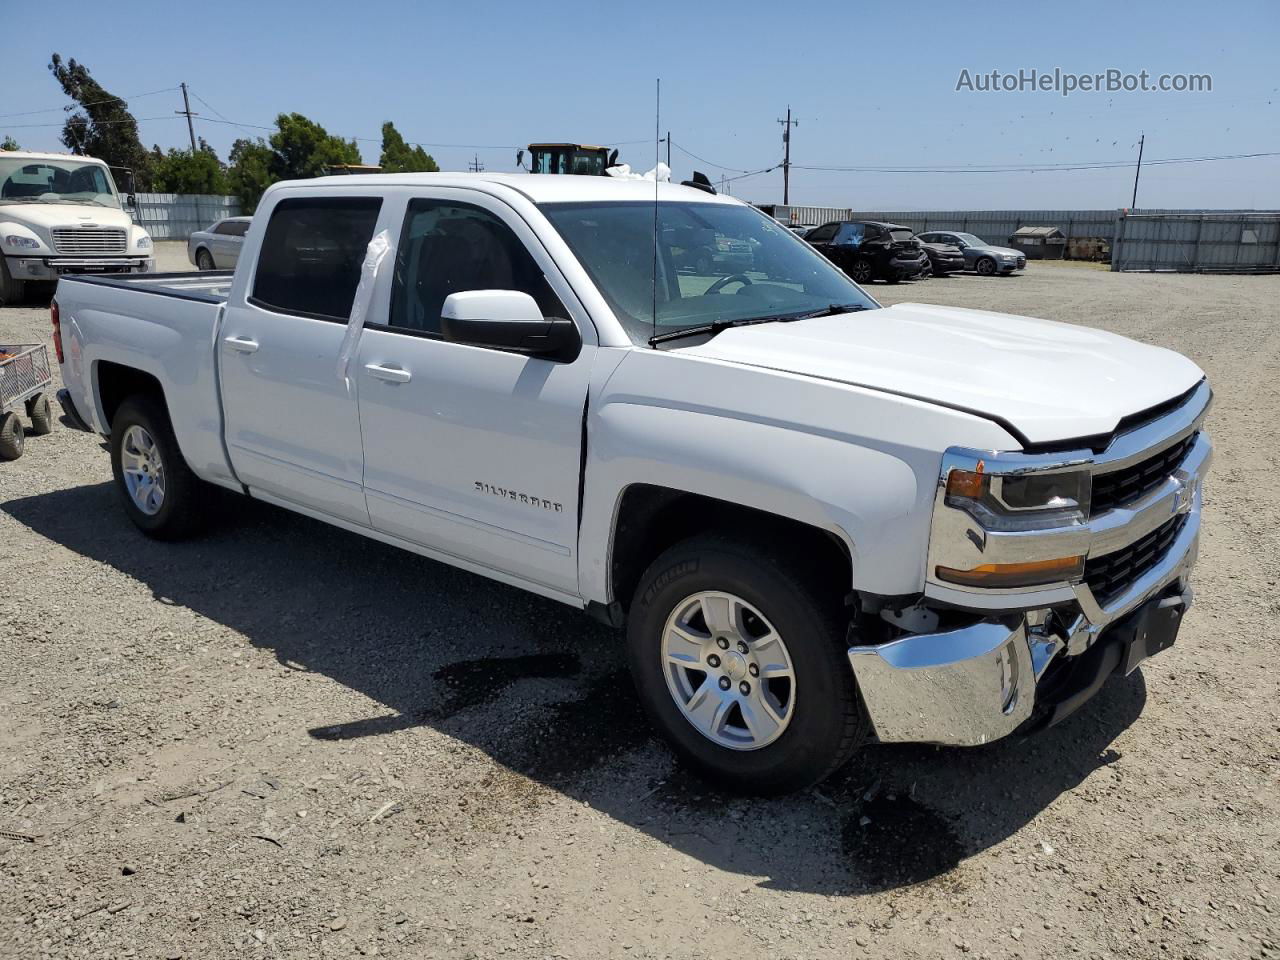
249 173
399 157
101 125
304 149
9 143
189 171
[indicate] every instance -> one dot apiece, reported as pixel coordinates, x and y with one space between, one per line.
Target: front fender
865 497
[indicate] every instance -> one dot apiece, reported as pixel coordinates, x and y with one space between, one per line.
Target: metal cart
25 379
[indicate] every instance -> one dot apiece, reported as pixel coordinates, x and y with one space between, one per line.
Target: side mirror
508 320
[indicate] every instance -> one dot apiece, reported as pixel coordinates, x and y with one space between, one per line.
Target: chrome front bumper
978 683
50 268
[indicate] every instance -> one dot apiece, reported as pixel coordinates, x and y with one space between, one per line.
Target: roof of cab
538 187
35 155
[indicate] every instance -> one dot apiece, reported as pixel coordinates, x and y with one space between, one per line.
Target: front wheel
12 292
986 267
742 666
41 414
12 437
161 495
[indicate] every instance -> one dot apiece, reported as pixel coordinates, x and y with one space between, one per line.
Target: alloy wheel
728 670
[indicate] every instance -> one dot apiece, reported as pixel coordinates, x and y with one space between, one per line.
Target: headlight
143 242
14 240
1021 501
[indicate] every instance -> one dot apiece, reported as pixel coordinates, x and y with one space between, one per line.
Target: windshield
971 240
55 181
716 263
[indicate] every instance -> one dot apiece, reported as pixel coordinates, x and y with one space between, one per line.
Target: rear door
228 242
473 451
292 426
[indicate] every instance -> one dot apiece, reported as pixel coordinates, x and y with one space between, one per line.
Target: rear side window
849 233
311 255
236 228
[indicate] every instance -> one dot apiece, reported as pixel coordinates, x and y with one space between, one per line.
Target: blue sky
871 84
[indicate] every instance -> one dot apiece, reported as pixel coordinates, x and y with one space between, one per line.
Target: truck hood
48 215
1048 381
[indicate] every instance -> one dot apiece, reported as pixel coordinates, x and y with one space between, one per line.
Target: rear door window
849 233
822 234
311 255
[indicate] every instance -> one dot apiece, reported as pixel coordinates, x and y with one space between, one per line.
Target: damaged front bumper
1033 665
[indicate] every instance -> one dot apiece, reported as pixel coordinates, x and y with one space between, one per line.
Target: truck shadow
544 691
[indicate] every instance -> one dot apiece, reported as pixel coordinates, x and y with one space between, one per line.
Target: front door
292 426
472 451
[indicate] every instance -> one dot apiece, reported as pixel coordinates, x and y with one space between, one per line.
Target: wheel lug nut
754 670
724 683
742 647
713 661
744 688
722 643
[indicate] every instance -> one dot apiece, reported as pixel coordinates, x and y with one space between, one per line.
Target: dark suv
868 250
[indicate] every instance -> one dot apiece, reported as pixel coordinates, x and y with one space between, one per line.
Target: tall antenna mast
657 139
1138 172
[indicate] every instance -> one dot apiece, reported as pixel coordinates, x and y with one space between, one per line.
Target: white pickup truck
822 522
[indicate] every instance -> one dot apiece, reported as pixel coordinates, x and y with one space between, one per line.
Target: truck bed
211 286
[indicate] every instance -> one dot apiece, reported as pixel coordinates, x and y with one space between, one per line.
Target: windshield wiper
711 329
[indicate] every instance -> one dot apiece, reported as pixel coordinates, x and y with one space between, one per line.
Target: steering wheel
723 282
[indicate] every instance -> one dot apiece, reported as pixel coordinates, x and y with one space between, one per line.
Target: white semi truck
62 214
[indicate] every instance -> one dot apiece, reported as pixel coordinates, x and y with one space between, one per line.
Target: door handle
241 344
390 374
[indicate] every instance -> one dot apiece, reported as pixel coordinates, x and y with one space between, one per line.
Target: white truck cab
62 214
821 521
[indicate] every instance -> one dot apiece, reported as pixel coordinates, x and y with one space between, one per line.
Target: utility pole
1137 173
186 108
787 124
476 166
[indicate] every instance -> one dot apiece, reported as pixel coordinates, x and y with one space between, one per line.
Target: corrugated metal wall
175 216
1199 242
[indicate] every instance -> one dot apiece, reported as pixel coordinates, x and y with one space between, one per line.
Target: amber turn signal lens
966 483
1030 574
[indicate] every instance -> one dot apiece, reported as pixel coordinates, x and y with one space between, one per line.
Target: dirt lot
287 741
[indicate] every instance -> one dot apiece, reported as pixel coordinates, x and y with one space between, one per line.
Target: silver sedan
218 248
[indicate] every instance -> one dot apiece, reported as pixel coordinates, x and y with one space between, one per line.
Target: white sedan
218 248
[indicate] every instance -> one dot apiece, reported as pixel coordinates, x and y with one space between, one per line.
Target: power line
718 166
136 96
96 123
1034 168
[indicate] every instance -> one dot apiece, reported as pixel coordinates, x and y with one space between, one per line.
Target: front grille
81 240
1119 487
1109 574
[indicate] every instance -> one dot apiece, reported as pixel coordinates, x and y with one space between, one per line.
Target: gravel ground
283 740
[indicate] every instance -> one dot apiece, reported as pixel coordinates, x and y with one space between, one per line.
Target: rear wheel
161 495
12 292
12 438
204 259
861 271
742 666
41 414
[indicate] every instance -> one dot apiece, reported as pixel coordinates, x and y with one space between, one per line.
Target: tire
823 720
926 272
12 292
204 260
861 271
41 414
12 438
985 267
179 509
